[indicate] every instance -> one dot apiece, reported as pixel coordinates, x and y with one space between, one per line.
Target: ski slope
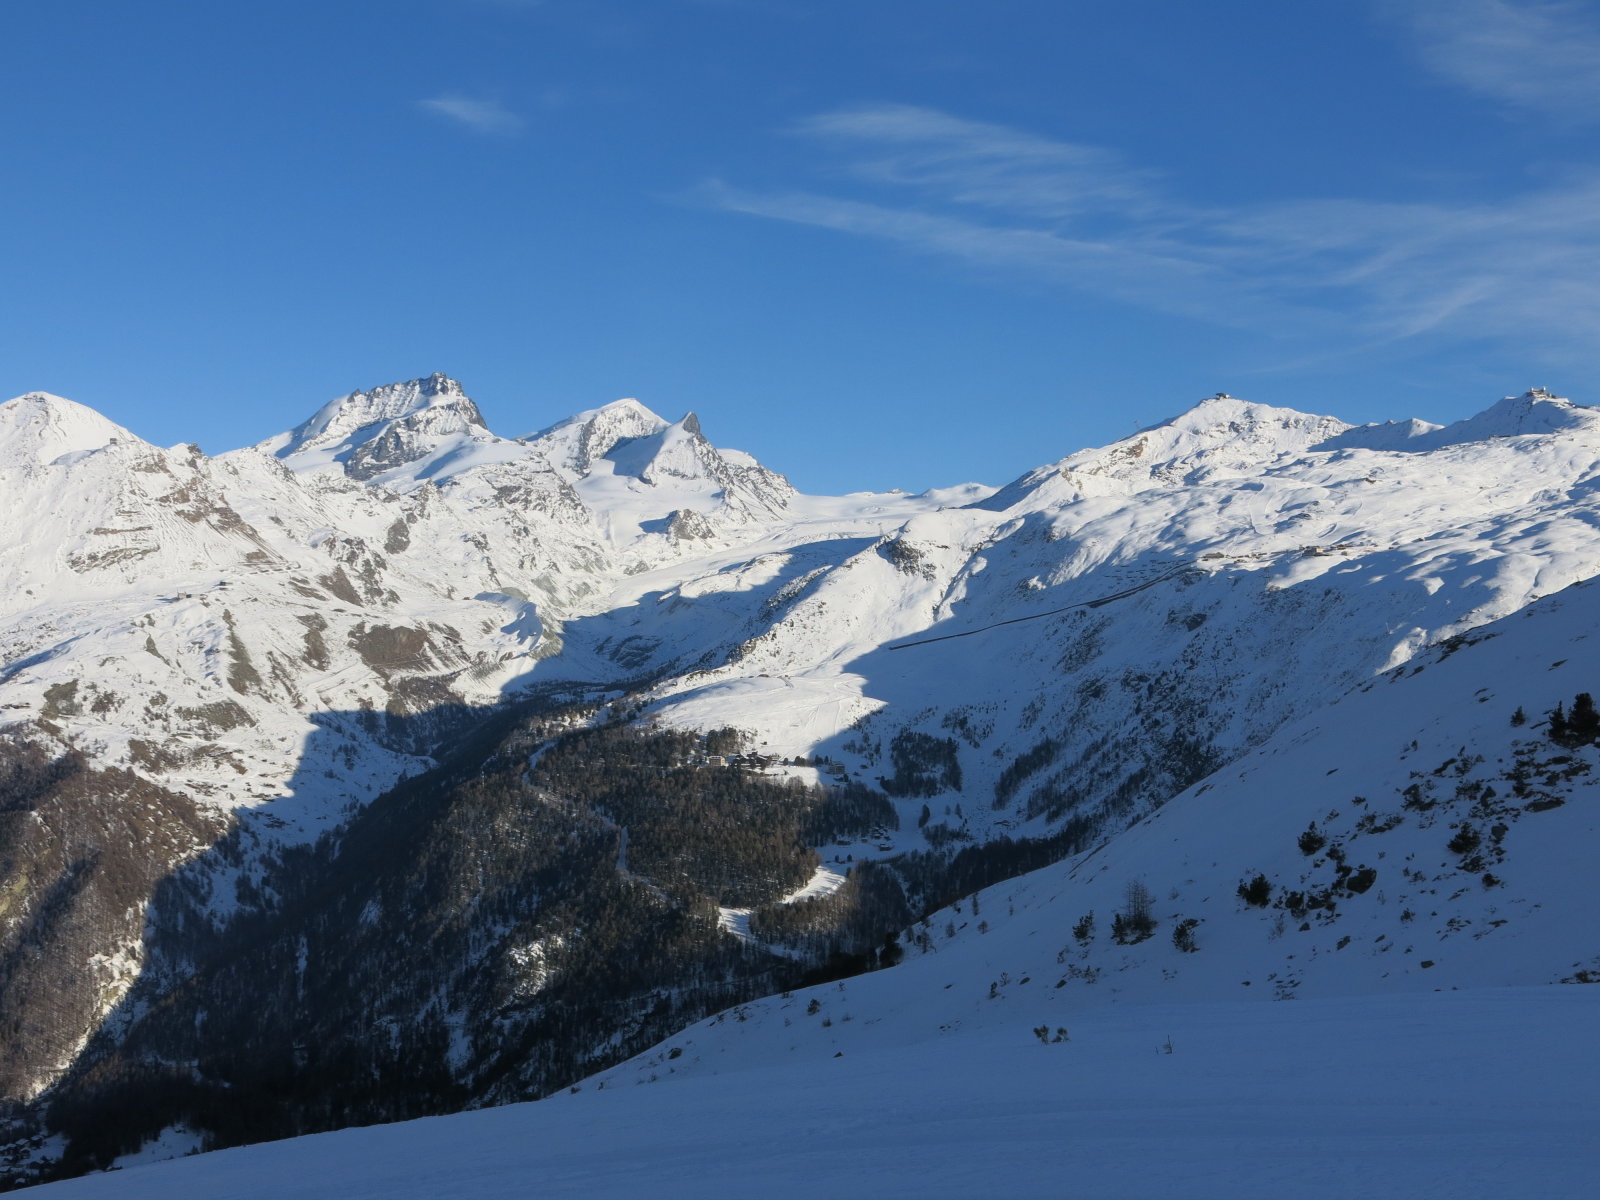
1484 1095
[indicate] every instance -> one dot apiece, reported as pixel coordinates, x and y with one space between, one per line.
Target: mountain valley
392 767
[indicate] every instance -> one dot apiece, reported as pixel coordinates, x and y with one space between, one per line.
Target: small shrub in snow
1583 722
1361 880
1256 892
1580 727
1466 840
1084 929
1138 922
1183 935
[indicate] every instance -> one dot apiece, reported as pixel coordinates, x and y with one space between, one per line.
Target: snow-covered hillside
1272 616
1424 833
1460 1096
1139 615
1439 1042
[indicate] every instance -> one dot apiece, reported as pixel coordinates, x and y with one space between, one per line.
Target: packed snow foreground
1280 687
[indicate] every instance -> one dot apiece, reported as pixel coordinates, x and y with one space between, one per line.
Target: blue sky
877 243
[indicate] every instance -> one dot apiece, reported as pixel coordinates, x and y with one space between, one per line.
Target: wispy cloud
1535 54
1140 270
1527 267
481 116
983 164
1008 200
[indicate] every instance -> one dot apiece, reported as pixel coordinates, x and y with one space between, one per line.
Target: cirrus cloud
1007 200
1541 55
480 116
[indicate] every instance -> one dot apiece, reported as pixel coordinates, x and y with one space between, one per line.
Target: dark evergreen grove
923 765
1580 727
541 905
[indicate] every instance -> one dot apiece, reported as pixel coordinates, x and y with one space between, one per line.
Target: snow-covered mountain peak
581 440
1381 435
1221 434
678 451
1535 411
343 419
609 452
1259 431
39 427
377 433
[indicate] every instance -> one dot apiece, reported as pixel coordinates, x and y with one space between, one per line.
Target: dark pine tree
1583 723
1558 725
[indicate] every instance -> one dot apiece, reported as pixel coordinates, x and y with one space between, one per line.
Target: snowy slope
1387 779
1458 1096
206 620
1431 1048
1380 968
1117 629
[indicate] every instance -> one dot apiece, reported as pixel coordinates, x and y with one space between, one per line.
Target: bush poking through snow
1362 880
1084 929
1138 922
1256 892
1580 727
1466 840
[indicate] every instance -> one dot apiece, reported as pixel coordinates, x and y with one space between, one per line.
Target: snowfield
1486 1094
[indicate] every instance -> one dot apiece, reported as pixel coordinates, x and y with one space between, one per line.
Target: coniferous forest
541 905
